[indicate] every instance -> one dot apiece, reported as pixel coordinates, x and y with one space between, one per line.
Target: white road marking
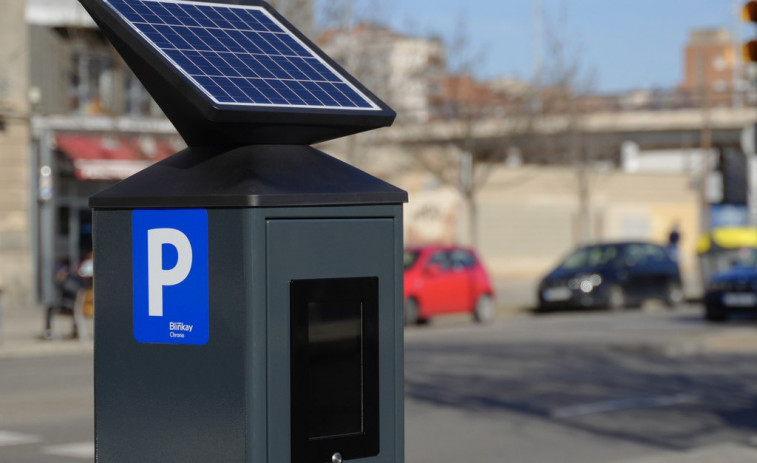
623 404
78 450
14 438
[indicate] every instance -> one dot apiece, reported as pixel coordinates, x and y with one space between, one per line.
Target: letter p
157 276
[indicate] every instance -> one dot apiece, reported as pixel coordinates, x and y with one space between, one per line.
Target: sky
624 44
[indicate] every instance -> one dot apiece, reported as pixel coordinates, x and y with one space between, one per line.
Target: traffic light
733 168
749 49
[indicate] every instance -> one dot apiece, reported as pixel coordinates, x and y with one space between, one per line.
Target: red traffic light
749 12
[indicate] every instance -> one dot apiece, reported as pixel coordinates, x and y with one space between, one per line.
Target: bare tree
545 124
566 93
394 66
465 104
365 49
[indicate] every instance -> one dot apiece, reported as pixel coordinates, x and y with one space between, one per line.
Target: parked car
444 280
721 247
612 275
733 290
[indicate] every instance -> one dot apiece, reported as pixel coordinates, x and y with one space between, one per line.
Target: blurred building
710 67
73 120
463 96
298 12
404 71
74 70
16 200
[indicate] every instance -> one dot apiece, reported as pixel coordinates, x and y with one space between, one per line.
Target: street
46 409
631 387
580 387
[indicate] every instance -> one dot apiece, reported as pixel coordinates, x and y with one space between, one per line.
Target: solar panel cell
260 20
161 12
237 23
217 18
287 65
184 62
198 16
177 15
230 43
252 91
146 14
263 41
129 13
240 55
320 94
224 68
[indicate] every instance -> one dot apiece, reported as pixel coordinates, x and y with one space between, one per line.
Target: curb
46 349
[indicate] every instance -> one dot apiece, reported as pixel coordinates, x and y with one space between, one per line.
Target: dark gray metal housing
255 175
249 288
230 400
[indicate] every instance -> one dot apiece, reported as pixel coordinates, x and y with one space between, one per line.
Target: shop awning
114 158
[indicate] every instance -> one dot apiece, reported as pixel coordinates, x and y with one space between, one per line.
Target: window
440 259
635 253
92 78
99 82
655 253
462 259
594 256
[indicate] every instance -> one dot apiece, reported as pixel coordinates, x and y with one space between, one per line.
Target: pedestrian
673 238
67 285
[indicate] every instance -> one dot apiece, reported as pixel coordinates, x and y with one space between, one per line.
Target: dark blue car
733 290
612 275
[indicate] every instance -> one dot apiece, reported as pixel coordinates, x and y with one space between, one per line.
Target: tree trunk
472 219
468 192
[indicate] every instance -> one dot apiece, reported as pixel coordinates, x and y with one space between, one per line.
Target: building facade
73 120
16 200
711 67
407 72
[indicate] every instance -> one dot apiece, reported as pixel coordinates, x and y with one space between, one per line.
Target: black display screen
334 368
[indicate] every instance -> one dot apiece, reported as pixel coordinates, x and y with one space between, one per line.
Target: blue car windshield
590 257
745 257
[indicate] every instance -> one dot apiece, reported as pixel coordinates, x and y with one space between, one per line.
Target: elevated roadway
664 129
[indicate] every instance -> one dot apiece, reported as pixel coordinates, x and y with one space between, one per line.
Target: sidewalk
21 335
21 331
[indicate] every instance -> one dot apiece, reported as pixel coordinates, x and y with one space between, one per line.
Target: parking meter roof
248 176
236 73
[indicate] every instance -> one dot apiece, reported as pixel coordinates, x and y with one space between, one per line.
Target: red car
443 280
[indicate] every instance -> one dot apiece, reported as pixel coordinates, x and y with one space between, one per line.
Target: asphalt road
46 409
636 387
583 387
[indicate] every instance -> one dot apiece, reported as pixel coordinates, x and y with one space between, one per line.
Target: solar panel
240 55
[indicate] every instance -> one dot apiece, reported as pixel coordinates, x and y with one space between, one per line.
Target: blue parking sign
170 259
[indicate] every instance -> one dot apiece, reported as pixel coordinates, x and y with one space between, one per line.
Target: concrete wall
528 216
15 236
50 66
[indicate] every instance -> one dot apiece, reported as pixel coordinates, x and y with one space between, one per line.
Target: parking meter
248 288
